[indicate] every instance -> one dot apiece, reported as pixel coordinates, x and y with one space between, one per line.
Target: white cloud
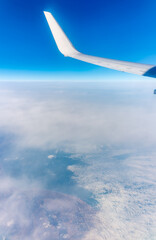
51 156
79 121
85 122
125 192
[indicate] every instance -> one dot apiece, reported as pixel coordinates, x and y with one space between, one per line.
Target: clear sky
119 29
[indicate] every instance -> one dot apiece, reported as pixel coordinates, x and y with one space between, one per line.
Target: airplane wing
68 50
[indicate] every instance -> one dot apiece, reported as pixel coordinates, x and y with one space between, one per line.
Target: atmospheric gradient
77 141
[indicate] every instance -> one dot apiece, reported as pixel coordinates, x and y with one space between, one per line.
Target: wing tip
46 13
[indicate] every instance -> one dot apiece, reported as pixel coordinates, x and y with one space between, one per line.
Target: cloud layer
111 130
81 120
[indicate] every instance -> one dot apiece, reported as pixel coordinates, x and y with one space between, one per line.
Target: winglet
62 42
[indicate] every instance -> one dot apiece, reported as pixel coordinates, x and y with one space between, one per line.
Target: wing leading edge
67 49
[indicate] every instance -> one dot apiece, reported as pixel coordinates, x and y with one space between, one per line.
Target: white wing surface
68 50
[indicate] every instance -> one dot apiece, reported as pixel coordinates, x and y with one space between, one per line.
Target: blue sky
121 29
